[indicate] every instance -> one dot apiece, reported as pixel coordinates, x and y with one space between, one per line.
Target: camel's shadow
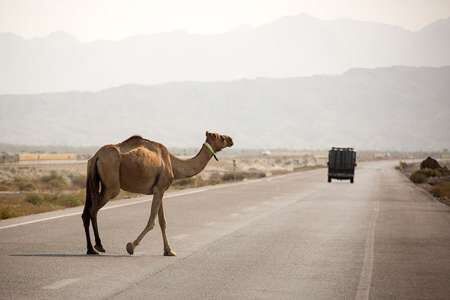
70 255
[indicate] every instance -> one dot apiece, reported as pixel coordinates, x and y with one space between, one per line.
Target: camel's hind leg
156 204
162 223
92 187
86 222
106 195
108 167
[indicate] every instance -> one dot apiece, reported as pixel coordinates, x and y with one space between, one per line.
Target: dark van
341 164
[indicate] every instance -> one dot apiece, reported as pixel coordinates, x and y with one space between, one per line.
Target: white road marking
60 284
365 279
106 208
199 190
40 220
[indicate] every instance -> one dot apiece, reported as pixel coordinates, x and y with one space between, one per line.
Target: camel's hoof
169 253
130 248
91 252
99 248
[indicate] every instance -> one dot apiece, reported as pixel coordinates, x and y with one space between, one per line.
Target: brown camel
141 166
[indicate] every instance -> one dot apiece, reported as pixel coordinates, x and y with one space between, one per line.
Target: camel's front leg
156 204
162 224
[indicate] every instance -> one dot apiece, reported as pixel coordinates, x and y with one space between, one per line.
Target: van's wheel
351 180
329 179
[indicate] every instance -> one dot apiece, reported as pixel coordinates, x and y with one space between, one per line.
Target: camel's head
218 141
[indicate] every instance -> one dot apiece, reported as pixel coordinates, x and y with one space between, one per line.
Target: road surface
286 237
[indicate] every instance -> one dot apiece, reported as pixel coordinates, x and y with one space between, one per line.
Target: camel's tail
92 183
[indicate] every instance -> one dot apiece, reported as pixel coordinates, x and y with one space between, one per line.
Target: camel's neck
183 168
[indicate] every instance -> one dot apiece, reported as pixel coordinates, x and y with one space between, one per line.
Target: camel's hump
133 137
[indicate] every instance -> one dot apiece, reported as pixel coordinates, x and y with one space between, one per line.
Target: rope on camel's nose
211 150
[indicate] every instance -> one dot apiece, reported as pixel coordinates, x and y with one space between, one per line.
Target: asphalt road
287 237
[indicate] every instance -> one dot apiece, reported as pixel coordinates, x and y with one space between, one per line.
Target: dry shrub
214 178
34 199
239 176
184 182
54 181
421 176
418 177
56 200
65 200
6 213
195 181
431 172
5 186
24 184
69 200
78 180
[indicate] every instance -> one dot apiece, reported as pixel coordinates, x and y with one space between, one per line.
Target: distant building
46 156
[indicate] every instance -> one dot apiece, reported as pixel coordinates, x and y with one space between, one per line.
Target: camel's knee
149 226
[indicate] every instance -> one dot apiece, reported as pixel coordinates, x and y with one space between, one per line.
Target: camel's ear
206 133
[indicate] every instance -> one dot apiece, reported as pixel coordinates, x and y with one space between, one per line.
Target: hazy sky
108 19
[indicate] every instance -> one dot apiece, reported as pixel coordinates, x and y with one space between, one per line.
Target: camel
142 166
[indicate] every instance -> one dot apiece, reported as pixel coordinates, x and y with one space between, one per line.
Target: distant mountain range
403 108
290 46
